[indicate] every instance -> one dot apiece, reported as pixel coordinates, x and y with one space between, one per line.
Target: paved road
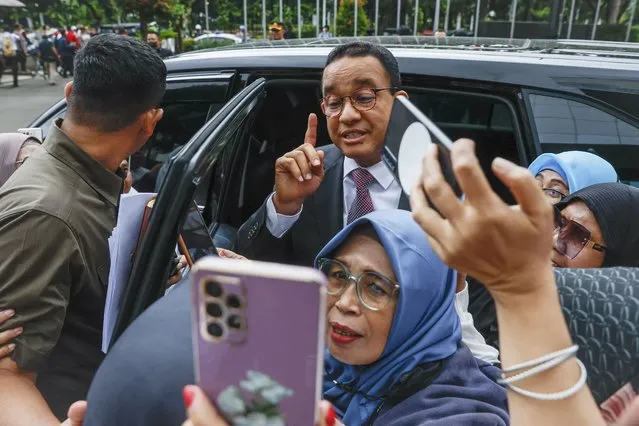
20 105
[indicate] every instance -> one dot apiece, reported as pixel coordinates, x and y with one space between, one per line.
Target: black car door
186 170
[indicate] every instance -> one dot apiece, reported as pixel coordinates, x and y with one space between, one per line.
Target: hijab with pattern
425 326
616 209
578 169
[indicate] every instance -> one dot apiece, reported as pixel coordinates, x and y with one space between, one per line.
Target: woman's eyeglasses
572 237
374 290
362 100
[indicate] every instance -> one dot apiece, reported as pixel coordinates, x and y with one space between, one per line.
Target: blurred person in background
562 174
10 55
67 52
15 148
276 30
57 212
325 34
49 58
72 38
20 38
153 39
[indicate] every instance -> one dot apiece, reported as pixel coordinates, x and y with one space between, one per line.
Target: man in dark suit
319 191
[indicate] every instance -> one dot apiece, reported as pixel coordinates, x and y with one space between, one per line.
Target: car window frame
150 269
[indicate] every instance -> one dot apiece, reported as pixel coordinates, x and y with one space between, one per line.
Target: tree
146 10
346 18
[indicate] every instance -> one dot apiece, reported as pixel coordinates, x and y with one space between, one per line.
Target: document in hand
122 244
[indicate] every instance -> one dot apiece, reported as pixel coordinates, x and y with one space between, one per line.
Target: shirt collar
105 182
380 171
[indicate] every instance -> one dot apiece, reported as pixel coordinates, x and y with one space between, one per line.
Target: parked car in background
229 113
216 40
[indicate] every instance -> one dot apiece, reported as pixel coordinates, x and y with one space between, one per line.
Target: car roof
556 66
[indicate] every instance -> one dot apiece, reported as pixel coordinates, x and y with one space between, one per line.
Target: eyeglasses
554 194
374 290
573 237
362 100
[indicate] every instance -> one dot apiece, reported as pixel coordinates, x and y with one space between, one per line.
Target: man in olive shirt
56 214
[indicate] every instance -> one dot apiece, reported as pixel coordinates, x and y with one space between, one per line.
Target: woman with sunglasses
598 227
394 352
562 174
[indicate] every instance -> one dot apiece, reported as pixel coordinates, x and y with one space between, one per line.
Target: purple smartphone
258 336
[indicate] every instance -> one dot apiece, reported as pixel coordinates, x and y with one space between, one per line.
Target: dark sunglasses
572 237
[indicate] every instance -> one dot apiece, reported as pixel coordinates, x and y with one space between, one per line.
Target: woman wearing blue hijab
562 174
394 351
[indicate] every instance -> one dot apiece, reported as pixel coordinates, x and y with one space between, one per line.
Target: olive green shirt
57 212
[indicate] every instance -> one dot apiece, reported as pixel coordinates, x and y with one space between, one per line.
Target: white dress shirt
385 193
471 337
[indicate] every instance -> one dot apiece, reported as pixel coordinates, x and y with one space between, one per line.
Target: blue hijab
425 327
578 168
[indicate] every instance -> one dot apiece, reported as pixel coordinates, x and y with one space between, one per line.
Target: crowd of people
53 50
396 267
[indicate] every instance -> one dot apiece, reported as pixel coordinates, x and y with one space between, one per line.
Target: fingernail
8 313
18 330
502 165
188 394
301 179
11 347
316 162
330 416
308 176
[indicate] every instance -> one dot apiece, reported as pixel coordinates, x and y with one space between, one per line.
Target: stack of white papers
121 247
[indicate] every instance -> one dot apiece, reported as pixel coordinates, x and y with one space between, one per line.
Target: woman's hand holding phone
201 412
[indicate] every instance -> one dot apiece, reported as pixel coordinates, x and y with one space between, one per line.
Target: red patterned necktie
362 204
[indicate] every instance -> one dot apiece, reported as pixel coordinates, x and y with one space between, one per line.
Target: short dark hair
153 32
115 79
361 49
17 26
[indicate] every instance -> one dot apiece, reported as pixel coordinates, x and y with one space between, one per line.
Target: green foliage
541 14
164 34
617 32
188 44
346 18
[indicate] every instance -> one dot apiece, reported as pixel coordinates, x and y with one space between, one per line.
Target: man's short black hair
115 79
361 49
153 32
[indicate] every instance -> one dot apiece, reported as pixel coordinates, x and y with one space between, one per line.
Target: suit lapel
329 199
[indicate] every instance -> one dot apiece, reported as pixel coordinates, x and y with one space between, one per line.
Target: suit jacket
321 219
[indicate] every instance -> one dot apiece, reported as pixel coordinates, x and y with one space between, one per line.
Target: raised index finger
470 176
311 130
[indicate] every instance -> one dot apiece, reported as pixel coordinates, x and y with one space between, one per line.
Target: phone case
258 335
408 136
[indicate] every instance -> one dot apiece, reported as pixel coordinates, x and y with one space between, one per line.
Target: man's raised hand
298 173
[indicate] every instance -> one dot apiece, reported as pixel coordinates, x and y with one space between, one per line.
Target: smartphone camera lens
233 301
213 289
235 322
215 330
214 310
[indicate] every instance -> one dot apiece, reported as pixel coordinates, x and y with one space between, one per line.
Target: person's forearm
21 403
530 327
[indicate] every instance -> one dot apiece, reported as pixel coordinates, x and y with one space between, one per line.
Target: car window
566 124
487 120
187 106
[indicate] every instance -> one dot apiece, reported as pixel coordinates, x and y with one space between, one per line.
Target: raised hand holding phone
299 173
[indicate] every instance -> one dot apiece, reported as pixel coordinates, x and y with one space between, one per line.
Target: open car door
186 170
